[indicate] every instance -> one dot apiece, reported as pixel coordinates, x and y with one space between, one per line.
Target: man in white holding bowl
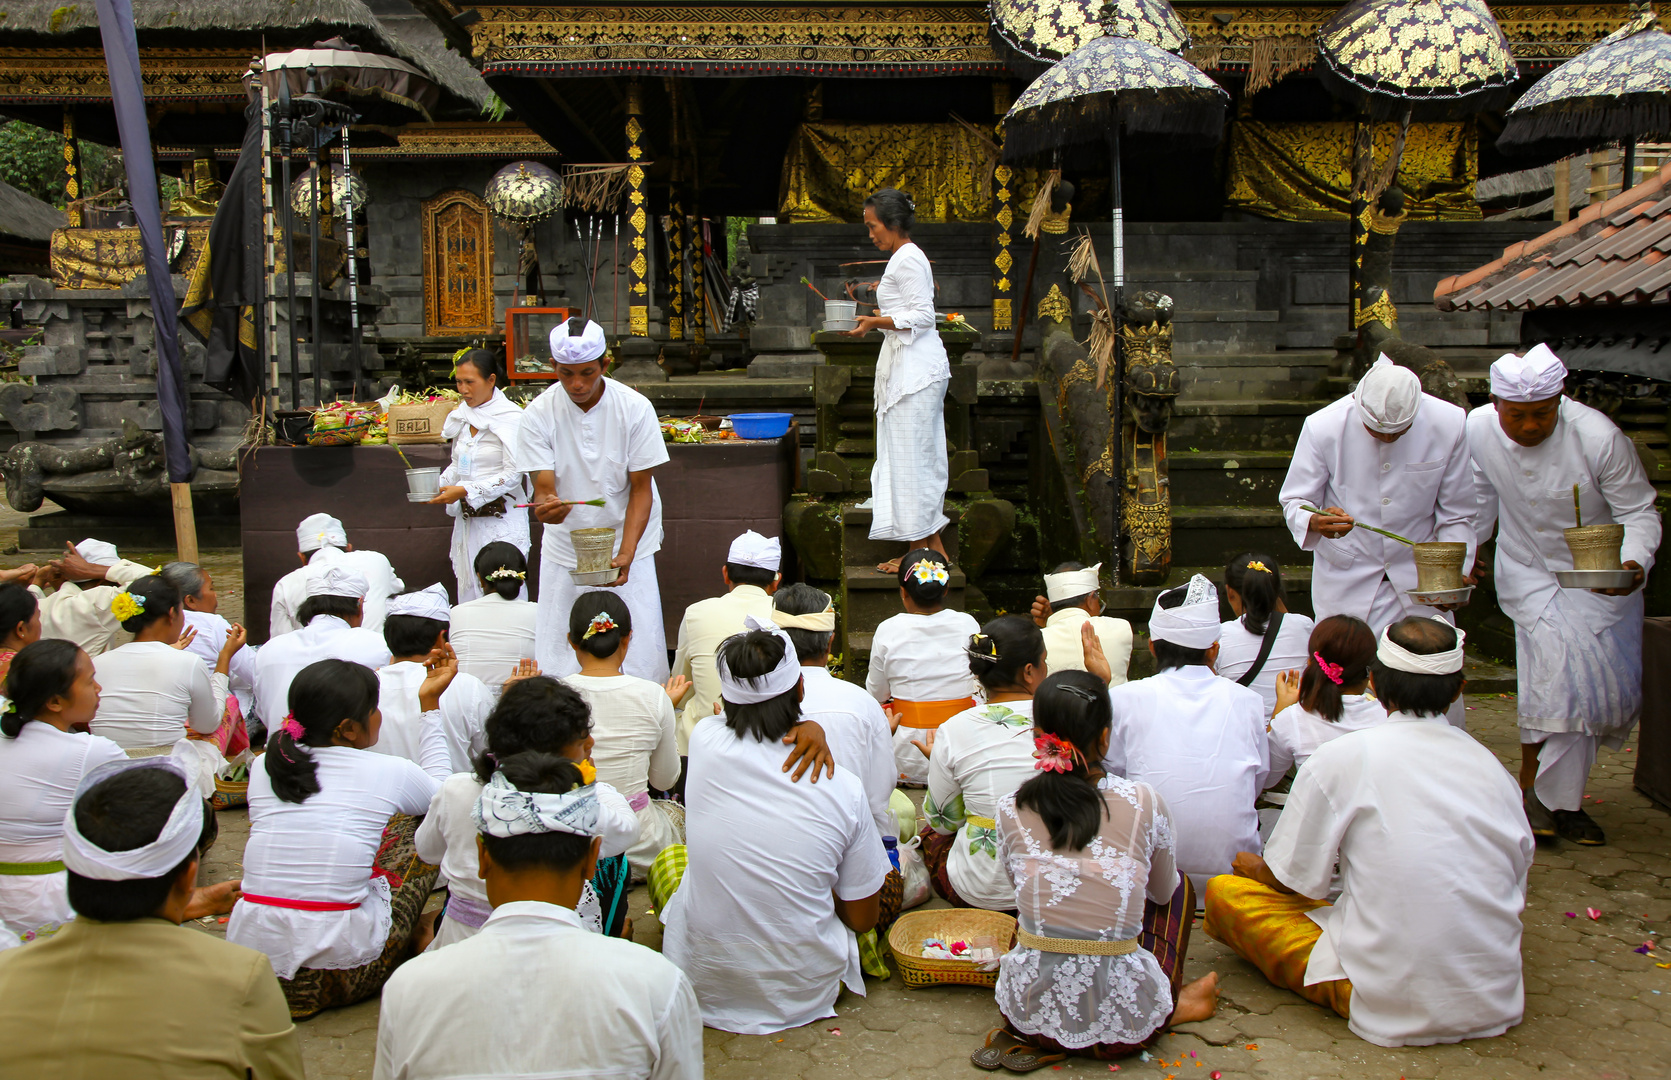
589 438
1578 653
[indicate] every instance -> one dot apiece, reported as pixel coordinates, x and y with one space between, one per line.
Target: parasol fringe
1276 58
1186 117
1589 123
1041 204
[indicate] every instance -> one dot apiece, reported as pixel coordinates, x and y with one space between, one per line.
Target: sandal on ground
1026 1059
1578 827
1538 816
991 1057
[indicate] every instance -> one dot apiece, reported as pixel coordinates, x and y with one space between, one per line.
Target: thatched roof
26 217
286 24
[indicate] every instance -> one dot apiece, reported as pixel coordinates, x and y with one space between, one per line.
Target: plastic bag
915 872
904 812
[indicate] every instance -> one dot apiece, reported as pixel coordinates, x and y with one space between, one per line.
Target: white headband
820 621
97 552
1194 623
177 839
590 345
1388 396
430 603
1537 376
503 811
333 579
752 549
320 530
1397 657
1071 583
775 683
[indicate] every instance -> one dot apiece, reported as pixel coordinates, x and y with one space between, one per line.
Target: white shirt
323 849
1433 849
82 613
979 756
1296 732
451 1014
1418 487
465 704
1238 649
706 624
491 636
325 638
150 693
922 657
859 737
753 924
1199 740
1065 651
292 589
447 838
206 646
1526 492
591 453
635 747
39 772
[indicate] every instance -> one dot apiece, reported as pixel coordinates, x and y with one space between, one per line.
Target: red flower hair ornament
1054 754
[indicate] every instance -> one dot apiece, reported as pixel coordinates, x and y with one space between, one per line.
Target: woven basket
346 435
1596 547
974 925
229 794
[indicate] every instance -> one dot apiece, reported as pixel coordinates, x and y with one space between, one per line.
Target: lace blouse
1097 894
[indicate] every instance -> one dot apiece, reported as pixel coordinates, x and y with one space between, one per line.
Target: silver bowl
595 577
1595 579
1438 597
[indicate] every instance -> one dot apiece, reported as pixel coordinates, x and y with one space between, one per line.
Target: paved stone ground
1594 1008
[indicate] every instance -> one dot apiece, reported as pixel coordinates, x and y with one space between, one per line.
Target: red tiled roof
1612 253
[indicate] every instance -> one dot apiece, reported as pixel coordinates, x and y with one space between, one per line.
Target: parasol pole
615 283
313 254
353 273
269 301
287 130
1116 433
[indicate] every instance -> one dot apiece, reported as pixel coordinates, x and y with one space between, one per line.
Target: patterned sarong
410 880
666 873
611 882
1270 930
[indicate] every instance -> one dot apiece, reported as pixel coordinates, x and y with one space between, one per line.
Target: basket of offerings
343 424
951 946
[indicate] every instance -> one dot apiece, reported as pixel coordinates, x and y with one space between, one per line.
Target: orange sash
929 714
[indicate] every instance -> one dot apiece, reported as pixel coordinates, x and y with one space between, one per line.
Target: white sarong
646 654
908 481
1574 677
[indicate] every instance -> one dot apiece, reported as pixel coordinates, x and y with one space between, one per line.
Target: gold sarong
1270 930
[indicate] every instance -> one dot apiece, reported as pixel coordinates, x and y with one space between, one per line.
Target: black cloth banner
225 290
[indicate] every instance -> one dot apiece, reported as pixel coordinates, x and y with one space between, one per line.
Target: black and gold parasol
1617 90
1048 30
524 192
1433 59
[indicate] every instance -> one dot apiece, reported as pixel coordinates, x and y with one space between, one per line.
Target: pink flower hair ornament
293 727
1332 672
1054 754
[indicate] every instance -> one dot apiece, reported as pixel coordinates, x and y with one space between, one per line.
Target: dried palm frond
597 189
1041 204
1276 58
1082 262
1100 345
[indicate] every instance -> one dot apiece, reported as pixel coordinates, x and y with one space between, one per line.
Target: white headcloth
1397 657
1071 583
503 811
334 579
430 603
1537 376
590 345
1194 623
320 530
780 680
752 549
1388 396
97 552
821 621
154 860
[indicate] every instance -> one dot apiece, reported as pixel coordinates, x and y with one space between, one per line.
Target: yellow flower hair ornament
601 624
126 606
588 772
1255 564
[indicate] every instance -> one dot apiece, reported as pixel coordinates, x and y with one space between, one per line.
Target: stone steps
1226 477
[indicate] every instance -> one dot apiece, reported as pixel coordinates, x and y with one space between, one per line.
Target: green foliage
495 109
32 160
736 238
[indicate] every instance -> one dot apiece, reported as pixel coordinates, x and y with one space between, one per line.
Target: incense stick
402 454
1361 525
1577 511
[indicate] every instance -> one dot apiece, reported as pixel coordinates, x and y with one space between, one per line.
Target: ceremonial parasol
522 194
1048 30
348 192
383 90
1617 90
1433 59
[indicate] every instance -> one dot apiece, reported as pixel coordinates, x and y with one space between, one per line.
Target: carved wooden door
458 265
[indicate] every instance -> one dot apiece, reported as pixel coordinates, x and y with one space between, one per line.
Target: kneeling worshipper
495 634
448 1013
45 750
124 990
583 439
322 541
1423 945
1265 639
543 715
90 575
20 622
751 577
1208 759
209 630
979 756
331 630
762 904
1098 968
1578 653
919 661
332 886
1329 698
635 731
415 631
1073 597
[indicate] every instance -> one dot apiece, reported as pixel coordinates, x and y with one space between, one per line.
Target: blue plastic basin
761 425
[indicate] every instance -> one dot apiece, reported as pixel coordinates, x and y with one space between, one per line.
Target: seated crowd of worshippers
756 796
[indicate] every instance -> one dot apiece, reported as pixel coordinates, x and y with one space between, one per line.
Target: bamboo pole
185 523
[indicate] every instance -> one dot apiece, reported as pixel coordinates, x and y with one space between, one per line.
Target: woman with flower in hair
493 635
1330 698
1104 915
1265 638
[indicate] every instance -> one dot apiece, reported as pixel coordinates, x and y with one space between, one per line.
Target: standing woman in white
482 485
908 482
